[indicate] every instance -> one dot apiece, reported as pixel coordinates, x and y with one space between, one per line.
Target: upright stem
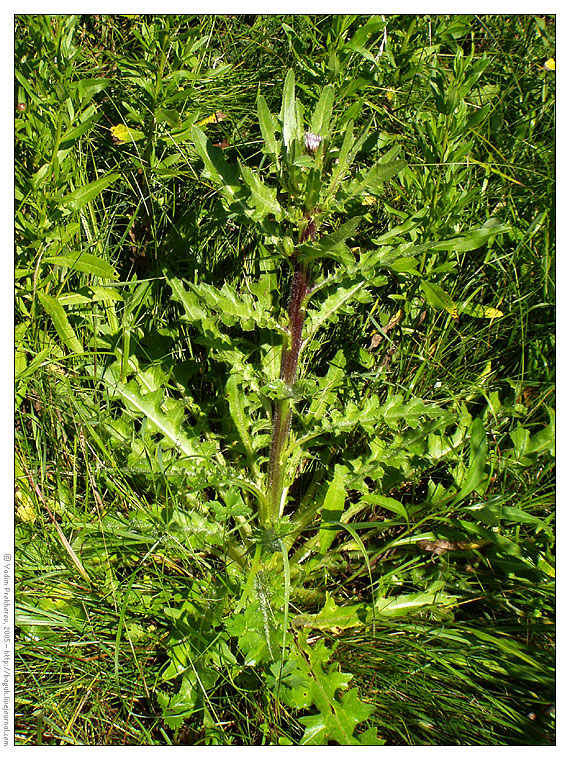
289 365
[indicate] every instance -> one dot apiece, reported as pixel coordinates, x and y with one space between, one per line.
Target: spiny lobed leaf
309 680
169 424
225 303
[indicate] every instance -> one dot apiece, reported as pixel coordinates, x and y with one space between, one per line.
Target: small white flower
312 141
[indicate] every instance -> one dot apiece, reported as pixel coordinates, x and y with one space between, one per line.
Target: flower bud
312 142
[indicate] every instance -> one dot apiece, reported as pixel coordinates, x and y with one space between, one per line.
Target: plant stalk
300 288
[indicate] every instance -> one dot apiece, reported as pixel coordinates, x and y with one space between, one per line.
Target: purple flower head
312 142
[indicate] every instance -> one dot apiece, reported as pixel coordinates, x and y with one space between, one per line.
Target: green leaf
337 302
472 240
87 88
289 110
262 197
332 246
331 617
78 198
216 168
268 125
84 262
404 604
150 405
410 224
373 24
333 506
71 136
388 503
237 411
343 159
438 298
383 170
89 295
168 116
229 306
323 112
61 322
403 264
475 478
381 173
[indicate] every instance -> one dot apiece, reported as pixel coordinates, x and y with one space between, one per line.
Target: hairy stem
289 364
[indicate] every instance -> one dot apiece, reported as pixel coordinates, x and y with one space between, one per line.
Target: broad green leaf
327 385
337 302
87 88
323 112
313 189
473 239
150 406
289 110
404 604
268 125
381 173
410 224
262 197
216 168
23 369
332 245
372 180
475 478
496 511
337 721
306 162
308 679
331 617
89 295
388 503
333 506
438 298
84 262
78 198
40 177
168 116
404 264
71 136
237 411
373 24
478 116
343 159
61 322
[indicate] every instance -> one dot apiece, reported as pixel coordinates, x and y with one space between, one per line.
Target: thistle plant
311 174
306 202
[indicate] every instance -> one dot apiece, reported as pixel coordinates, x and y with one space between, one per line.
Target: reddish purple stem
289 364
